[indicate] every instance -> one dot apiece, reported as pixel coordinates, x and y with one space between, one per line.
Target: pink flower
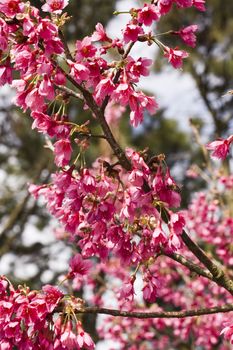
131 32
79 71
3 35
52 296
79 266
138 68
5 75
85 49
62 151
175 57
199 4
220 148
46 88
11 7
34 100
150 288
83 339
164 6
187 35
68 337
55 6
228 333
100 34
148 14
184 3
104 88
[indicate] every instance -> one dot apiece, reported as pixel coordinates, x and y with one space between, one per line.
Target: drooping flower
62 151
220 148
199 4
131 32
175 56
187 34
79 266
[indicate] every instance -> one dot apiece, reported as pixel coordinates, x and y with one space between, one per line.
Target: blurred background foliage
28 253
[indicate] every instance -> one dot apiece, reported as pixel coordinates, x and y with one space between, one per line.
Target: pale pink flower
55 6
100 34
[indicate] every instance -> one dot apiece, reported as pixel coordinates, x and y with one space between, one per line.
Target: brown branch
218 275
162 314
190 265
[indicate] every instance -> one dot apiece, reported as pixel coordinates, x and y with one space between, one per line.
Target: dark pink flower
164 6
187 34
220 148
199 4
175 57
228 333
148 14
5 75
184 3
85 49
62 151
79 266
150 288
131 32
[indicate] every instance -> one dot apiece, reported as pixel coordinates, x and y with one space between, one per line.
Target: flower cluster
121 212
30 320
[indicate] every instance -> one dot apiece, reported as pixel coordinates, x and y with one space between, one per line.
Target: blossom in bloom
164 6
83 339
131 32
199 4
184 3
100 34
11 7
62 151
3 35
85 49
175 57
104 88
151 286
79 266
55 6
228 333
79 71
5 75
220 148
187 34
148 14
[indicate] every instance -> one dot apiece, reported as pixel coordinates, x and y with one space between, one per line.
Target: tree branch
218 275
162 314
190 265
